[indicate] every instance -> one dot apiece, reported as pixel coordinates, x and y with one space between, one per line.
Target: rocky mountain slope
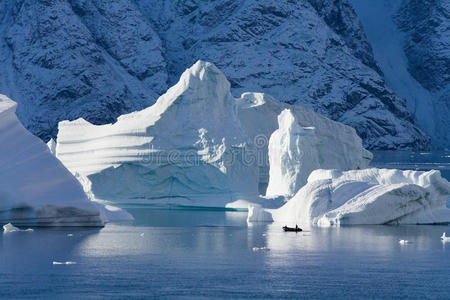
97 59
411 42
426 24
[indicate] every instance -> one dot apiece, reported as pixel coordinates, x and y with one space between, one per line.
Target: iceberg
188 148
370 196
35 188
330 144
196 146
9 228
295 151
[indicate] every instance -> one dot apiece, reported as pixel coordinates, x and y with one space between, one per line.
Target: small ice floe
142 234
403 242
260 249
70 234
64 263
8 228
445 238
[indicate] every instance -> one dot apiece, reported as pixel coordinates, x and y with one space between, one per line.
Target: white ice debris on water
9 228
35 188
370 196
255 249
114 214
197 145
445 238
256 213
403 242
64 263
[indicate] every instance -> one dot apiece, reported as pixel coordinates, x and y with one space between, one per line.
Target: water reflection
28 256
206 252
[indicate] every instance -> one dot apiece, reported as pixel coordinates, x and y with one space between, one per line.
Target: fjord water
210 254
189 253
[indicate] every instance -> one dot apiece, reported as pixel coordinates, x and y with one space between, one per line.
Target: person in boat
296 227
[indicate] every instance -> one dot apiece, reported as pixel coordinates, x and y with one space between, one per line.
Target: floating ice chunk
445 238
370 196
8 228
257 214
70 235
142 234
114 214
260 249
64 263
403 242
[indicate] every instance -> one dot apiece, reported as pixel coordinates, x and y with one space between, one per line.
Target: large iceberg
35 188
197 145
295 151
370 196
333 144
188 148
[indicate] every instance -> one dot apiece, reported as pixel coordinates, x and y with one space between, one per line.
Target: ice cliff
296 151
370 196
35 188
197 145
65 59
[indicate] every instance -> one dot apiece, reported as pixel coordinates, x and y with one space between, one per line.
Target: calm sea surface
174 253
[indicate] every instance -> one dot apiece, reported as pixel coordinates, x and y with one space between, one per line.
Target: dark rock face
60 69
426 24
427 27
97 59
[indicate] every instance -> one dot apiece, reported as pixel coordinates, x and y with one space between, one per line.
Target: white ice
35 188
295 151
370 196
445 238
197 145
8 228
64 263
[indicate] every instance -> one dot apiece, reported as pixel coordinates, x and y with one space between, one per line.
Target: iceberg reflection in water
210 253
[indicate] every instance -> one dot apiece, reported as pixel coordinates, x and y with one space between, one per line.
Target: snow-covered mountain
411 42
98 59
63 60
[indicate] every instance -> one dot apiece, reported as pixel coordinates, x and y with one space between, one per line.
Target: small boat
294 229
